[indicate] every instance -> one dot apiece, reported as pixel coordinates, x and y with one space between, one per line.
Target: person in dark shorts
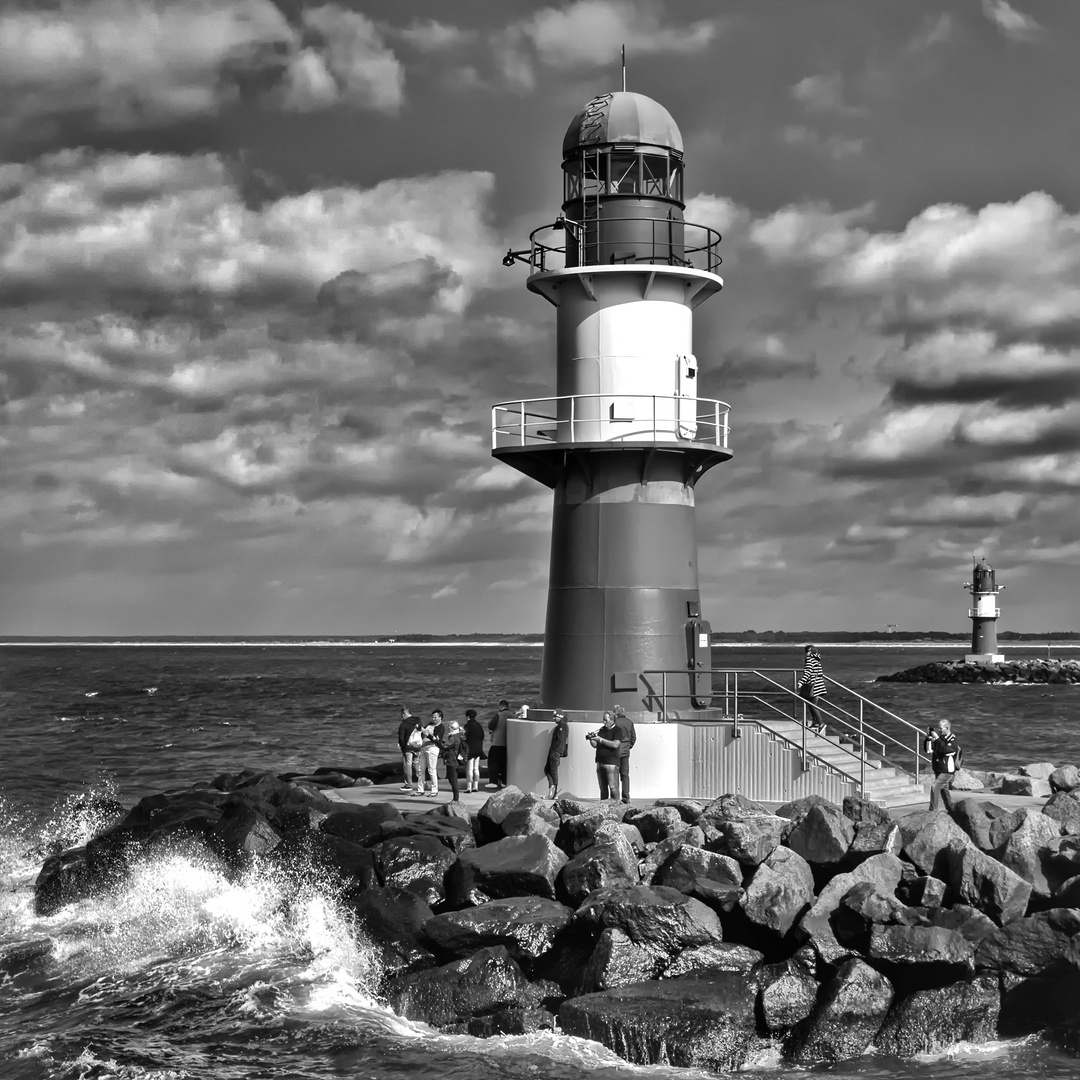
946 757
628 735
474 754
557 750
812 686
605 741
409 744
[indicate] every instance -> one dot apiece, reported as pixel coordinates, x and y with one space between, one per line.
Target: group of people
460 747
612 741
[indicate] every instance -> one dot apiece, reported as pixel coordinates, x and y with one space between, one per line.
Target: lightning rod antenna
624 69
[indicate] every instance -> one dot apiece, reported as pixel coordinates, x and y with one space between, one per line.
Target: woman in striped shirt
812 686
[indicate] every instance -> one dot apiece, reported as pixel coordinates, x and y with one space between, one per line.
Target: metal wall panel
712 762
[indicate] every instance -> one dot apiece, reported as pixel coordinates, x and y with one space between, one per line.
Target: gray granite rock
526 926
663 918
617 960
823 836
1065 778
610 862
778 892
983 882
513 866
930 1021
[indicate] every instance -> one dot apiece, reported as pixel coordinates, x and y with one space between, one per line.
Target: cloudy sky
254 315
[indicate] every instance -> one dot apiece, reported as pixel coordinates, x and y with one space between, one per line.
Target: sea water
181 973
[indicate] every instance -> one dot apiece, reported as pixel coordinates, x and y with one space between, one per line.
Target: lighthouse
625 438
984 589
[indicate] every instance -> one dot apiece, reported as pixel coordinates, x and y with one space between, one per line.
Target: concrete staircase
885 785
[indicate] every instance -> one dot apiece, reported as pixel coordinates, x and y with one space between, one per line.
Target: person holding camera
607 743
946 757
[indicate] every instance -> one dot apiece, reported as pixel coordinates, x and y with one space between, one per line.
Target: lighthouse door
686 392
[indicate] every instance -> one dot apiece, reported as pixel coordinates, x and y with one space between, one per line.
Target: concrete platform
472 801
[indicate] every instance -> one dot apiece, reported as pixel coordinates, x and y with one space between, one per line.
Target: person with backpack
557 750
409 742
453 754
946 757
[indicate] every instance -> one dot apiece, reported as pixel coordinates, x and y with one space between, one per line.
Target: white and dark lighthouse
625 438
984 589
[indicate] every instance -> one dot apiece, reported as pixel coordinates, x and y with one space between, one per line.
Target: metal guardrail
862 730
671 243
658 418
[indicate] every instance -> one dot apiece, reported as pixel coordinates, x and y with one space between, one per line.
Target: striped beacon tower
626 438
984 589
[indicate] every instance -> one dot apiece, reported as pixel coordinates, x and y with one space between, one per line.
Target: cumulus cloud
592 32
824 93
1011 22
963 511
764 357
136 64
78 223
835 146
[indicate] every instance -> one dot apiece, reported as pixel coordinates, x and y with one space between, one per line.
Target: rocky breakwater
700 934
1007 672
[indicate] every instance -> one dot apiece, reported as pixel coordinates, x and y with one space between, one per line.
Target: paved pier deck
473 800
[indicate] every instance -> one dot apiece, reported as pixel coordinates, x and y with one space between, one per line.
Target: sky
254 314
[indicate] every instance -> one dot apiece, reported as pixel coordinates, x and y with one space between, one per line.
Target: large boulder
391 921
453 994
662 918
243 834
526 926
797 809
496 809
967 921
823 837
700 873
352 864
618 960
875 838
787 995
1065 779
1033 787
609 862
656 823
578 831
1041 770
651 863
417 864
977 879
778 892
930 1021
1041 944
1064 807
921 954
691 1022
863 909
453 832
862 811
689 809
360 824
513 866
926 836
850 1010
531 817
719 956
750 840
63 879
977 820
1028 849
965 780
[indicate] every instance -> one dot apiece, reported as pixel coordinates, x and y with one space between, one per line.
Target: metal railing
697 248
614 418
778 697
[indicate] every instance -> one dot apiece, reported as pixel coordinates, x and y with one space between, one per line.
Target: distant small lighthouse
984 589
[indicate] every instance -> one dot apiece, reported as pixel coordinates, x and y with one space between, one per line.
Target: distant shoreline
319 643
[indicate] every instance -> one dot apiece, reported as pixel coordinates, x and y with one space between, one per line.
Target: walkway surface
472 801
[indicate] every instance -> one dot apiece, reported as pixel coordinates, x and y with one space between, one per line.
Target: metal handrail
540 252
859 725
821 762
535 421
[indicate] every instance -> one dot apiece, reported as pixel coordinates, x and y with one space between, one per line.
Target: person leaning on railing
812 686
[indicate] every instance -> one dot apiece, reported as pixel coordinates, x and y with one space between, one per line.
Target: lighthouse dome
622 117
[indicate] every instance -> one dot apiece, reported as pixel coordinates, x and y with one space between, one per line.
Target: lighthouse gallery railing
614 418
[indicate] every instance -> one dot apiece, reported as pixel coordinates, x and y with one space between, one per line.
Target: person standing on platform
497 750
409 741
474 743
429 755
605 741
946 756
557 750
453 754
628 736
812 686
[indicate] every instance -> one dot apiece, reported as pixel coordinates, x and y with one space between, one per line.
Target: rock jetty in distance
1007 672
